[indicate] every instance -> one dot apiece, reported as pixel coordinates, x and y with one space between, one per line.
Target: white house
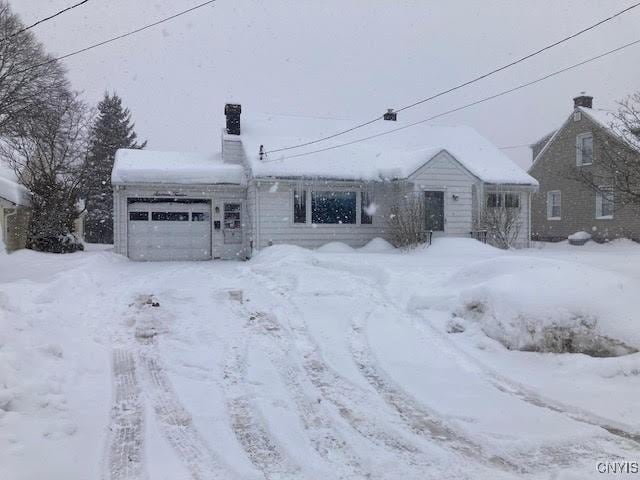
185 206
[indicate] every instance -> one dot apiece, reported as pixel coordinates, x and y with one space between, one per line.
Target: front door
434 210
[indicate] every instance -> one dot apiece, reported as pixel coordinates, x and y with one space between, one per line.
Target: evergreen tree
111 130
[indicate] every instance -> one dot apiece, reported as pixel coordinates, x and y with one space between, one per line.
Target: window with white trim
554 203
584 149
604 203
507 200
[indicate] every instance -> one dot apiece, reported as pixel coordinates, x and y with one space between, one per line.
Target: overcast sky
340 58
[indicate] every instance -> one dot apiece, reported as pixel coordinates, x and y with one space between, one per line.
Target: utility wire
119 37
457 109
515 146
462 85
43 20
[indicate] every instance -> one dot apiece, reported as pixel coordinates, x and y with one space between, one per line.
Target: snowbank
335 247
580 236
452 246
278 254
547 305
378 245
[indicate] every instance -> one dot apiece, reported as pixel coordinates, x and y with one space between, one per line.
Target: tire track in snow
375 278
502 383
349 399
417 418
177 427
126 439
320 428
175 422
527 395
258 444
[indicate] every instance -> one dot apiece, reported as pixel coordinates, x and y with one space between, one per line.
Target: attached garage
160 230
178 206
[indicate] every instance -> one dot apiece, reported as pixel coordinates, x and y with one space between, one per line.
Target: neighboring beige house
15 211
185 206
563 205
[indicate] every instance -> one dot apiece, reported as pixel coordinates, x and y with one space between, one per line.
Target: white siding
523 239
444 173
274 215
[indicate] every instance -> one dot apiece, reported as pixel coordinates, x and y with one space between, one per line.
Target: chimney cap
232 108
583 100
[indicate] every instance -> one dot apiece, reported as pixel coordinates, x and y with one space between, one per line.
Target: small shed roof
11 190
147 166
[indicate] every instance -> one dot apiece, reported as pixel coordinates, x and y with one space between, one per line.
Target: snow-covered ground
334 363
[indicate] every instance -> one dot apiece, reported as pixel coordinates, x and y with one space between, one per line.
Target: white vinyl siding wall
523 240
274 215
444 173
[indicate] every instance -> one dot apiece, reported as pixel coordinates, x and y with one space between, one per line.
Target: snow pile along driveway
550 305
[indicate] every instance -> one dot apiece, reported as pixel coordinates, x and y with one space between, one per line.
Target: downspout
529 228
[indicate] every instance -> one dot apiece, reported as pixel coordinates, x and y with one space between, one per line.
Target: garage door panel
170 231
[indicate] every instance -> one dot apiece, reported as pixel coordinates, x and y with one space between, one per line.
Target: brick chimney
232 111
583 100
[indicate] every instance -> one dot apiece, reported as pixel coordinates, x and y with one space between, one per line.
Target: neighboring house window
604 203
507 200
333 207
367 209
554 202
299 206
584 149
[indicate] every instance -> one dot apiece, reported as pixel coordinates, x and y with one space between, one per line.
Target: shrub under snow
551 306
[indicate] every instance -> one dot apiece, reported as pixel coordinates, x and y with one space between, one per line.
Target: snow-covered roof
11 190
604 118
608 120
146 166
395 155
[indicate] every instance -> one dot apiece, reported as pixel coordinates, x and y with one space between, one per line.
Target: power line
44 20
515 146
462 85
119 37
463 107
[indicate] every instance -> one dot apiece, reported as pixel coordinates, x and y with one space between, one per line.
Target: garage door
169 230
